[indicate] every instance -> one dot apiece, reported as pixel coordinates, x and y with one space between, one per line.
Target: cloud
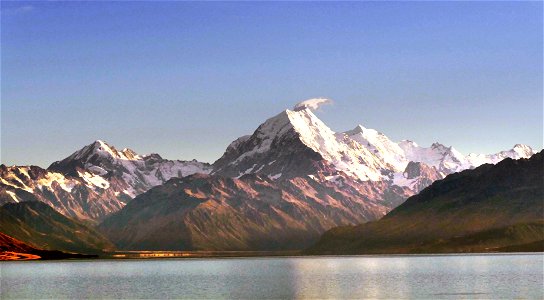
312 104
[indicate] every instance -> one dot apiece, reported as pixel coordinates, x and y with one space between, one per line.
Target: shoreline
161 255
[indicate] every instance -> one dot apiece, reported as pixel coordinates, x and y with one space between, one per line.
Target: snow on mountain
100 179
445 159
99 163
344 155
69 195
416 176
104 150
380 145
19 177
295 143
518 151
448 160
94 181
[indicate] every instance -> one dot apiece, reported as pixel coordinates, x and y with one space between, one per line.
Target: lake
434 276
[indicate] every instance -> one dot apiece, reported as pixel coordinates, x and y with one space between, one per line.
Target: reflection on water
456 276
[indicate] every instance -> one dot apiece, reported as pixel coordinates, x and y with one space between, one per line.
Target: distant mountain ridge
94 181
99 164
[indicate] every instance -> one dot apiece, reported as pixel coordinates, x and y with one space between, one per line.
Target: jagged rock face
420 175
270 154
93 182
132 173
68 195
446 159
253 212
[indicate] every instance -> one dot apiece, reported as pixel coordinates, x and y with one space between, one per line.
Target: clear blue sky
184 79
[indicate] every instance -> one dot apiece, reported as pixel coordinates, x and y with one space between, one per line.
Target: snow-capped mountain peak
278 140
99 149
445 159
94 181
518 151
523 150
407 144
129 154
363 153
313 132
99 164
103 148
380 145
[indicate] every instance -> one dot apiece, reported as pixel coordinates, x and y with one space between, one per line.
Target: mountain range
490 208
94 181
278 188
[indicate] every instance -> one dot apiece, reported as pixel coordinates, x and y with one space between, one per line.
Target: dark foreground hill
38 225
491 208
13 249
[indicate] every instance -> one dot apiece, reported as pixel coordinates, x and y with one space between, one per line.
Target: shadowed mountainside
13 249
210 212
490 208
37 224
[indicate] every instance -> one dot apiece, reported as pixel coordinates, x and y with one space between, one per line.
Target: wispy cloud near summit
312 104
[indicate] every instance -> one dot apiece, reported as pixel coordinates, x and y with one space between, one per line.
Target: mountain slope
211 212
40 226
7 243
380 145
478 209
68 195
13 249
92 182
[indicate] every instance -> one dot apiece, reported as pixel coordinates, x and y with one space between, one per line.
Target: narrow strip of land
8 255
197 254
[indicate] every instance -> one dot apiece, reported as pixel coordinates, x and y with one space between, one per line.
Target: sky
184 79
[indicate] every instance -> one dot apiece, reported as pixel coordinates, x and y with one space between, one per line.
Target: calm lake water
455 276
